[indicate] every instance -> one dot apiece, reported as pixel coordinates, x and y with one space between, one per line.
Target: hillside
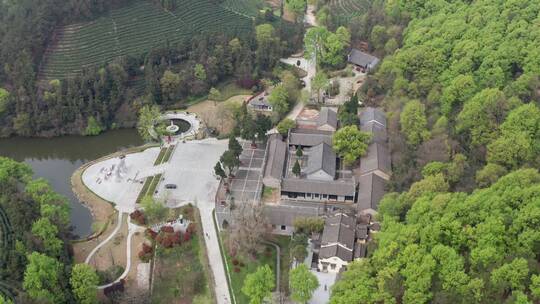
344 10
134 30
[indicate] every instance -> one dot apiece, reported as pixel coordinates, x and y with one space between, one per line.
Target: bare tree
249 226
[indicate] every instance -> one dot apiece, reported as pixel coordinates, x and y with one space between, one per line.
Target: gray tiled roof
336 250
370 192
309 137
285 215
377 158
277 151
321 157
363 59
327 116
338 230
371 114
378 132
336 187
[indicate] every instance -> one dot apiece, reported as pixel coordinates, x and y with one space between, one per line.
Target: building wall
278 229
312 197
337 262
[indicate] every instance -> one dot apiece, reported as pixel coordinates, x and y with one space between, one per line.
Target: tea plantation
136 29
347 9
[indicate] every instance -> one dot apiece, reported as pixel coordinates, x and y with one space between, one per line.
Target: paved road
221 286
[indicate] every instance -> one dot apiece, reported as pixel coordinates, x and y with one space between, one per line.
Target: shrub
151 233
138 217
191 229
187 236
167 229
235 262
236 269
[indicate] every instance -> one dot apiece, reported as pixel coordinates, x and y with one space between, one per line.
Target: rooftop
277 150
370 192
377 158
341 187
321 157
328 117
363 59
371 114
309 137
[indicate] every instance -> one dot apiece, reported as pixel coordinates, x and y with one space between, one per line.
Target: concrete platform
120 183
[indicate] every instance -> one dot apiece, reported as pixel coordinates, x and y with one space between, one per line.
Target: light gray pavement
123 187
191 168
320 295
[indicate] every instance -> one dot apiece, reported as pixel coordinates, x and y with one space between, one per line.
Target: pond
183 125
57 158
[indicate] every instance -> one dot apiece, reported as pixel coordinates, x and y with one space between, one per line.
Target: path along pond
56 159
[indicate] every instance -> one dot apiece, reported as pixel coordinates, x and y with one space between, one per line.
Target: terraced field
347 9
245 7
6 245
6 237
134 30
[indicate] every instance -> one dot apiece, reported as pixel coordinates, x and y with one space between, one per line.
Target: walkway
221 285
115 231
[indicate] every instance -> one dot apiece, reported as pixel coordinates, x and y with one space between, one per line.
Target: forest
34 252
460 84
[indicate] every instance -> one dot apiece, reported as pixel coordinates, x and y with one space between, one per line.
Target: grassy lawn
229 89
181 273
249 266
160 156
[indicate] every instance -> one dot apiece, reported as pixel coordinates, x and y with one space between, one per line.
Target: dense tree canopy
440 247
350 143
37 259
459 70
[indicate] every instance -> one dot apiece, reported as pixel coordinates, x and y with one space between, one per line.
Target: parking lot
246 186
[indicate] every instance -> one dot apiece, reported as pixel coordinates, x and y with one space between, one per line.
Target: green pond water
57 158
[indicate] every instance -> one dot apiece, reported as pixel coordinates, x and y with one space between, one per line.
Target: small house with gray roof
363 60
260 102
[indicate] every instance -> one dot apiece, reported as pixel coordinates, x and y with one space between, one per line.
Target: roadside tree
318 83
248 228
303 283
258 286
